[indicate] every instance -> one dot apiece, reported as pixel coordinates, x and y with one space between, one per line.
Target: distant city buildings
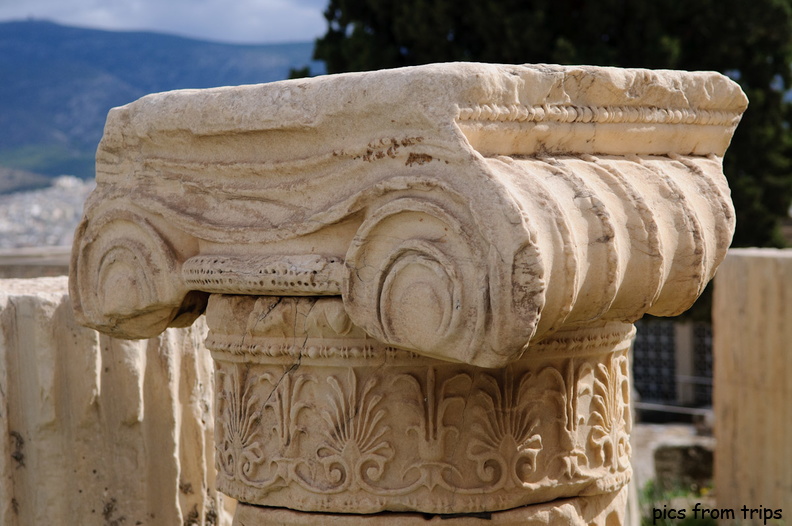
45 217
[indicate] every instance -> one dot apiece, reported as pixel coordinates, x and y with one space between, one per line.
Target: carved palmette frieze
609 405
391 430
240 454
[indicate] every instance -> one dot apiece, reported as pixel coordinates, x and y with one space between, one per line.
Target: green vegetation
749 41
653 498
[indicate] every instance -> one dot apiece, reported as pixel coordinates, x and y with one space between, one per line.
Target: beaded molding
597 114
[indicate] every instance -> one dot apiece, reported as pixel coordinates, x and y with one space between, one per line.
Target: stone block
752 356
100 431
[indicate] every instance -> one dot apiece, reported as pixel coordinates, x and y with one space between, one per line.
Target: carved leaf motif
610 414
432 433
504 444
354 451
239 447
286 408
567 397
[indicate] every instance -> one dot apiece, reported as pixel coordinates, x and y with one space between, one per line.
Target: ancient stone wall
99 431
752 321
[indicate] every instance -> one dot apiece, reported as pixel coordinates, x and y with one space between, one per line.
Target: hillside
59 83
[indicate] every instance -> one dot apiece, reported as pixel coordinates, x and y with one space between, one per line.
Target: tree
751 41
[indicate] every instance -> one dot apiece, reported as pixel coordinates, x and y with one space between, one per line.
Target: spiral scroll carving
419 278
626 235
622 236
601 238
526 200
128 280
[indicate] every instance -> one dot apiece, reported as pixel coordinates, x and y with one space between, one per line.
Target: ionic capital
464 212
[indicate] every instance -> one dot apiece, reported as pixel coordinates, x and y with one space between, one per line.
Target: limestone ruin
419 283
99 431
752 398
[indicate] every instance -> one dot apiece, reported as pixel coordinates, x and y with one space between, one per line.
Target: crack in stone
262 318
296 365
267 313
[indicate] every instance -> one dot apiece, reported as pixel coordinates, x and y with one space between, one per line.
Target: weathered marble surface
597 510
752 357
460 210
419 283
315 415
100 431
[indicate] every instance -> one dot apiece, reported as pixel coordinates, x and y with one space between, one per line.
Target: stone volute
420 283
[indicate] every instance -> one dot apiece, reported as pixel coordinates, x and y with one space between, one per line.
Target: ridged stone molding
420 283
98 431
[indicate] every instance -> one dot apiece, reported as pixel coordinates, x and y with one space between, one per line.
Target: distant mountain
12 180
59 82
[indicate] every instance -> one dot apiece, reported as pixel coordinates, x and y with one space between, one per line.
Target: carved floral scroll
313 416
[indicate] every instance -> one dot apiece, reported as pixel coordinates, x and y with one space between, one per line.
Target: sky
233 21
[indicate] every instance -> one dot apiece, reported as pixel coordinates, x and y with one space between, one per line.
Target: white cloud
241 21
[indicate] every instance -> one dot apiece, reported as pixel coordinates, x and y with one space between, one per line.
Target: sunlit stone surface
99 431
419 283
752 357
